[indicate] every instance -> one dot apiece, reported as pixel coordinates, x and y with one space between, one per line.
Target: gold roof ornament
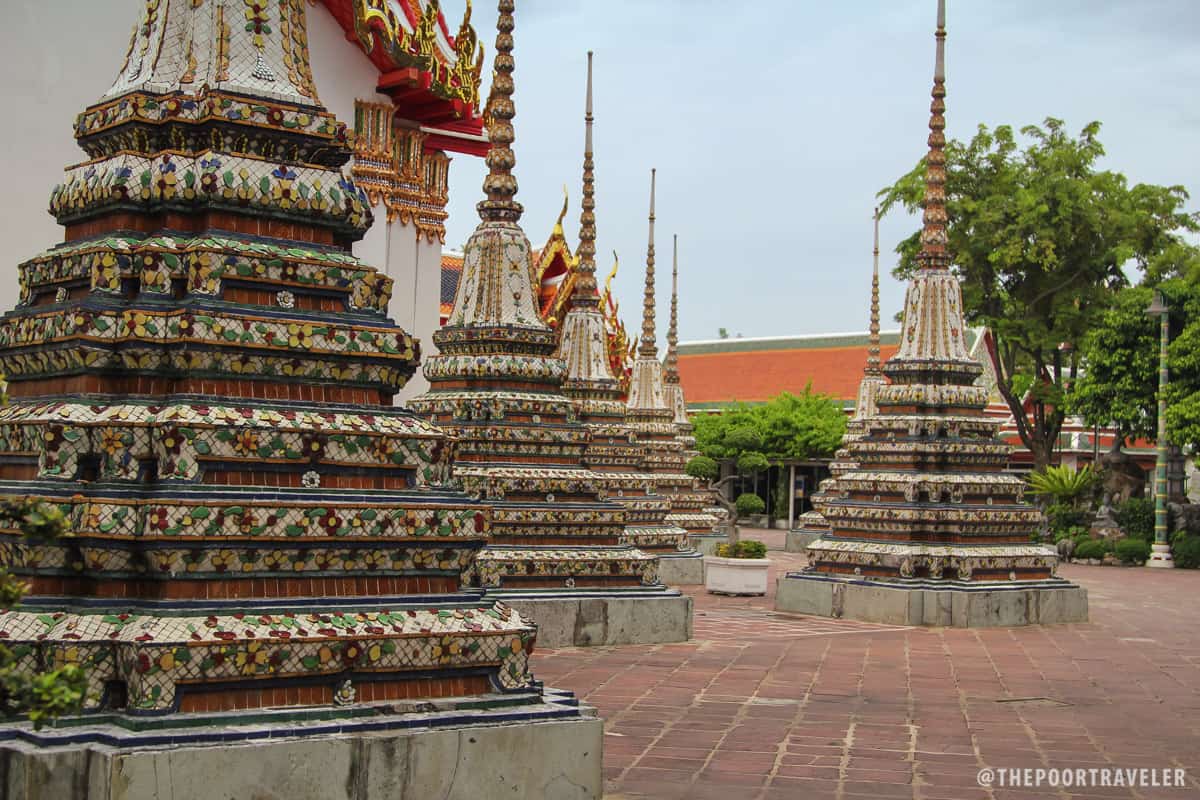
413 35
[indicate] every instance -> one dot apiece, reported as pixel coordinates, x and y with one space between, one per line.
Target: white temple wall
343 74
415 264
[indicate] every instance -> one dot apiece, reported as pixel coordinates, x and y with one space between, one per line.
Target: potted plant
738 568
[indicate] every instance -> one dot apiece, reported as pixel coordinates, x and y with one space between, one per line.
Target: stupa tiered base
400 750
958 604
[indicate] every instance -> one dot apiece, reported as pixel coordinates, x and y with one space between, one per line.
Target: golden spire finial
934 252
648 347
558 228
671 367
500 185
607 284
585 282
873 347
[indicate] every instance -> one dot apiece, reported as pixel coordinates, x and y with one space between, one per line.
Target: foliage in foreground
39 695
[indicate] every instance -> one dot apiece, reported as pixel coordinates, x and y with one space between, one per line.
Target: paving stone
762 705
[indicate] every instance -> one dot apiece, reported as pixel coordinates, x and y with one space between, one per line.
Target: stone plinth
579 618
454 753
798 540
706 543
684 569
955 604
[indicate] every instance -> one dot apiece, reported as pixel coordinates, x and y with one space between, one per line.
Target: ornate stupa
926 527
613 448
201 378
705 538
812 524
497 385
865 405
649 413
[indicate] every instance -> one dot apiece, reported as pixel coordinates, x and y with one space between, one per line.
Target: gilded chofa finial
873 347
671 367
585 281
934 252
648 346
500 185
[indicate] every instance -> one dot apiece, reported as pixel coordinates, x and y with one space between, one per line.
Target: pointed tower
926 527
201 379
613 448
671 362
872 380
812 525
650 415
497 386
704 537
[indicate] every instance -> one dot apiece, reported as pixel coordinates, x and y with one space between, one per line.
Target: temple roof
452 264
720 371
434 74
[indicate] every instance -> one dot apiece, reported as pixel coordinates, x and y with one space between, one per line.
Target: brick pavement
766 706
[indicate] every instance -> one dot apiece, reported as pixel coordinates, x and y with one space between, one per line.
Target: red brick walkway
761 705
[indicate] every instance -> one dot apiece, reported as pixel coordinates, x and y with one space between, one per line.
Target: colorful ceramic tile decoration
498 386
920 494
201 377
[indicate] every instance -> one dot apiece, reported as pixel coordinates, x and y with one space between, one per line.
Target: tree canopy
789 426
1042 239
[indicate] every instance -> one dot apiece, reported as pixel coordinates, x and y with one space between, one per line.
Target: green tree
1041 239
803 426
40 695
807 425
1121 368
1120 381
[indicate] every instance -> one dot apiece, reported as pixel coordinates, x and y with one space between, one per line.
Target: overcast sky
772 125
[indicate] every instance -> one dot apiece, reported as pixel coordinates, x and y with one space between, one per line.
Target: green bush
703 467
749 503
1185 550
1062 518
746 548
1133 551
1136 518
1092 548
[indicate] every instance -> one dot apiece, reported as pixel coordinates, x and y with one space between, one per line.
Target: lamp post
1160 555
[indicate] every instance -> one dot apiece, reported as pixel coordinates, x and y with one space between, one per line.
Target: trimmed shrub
703 467
746 548
1092 548
1136 518
1185 550
1133 551
748 503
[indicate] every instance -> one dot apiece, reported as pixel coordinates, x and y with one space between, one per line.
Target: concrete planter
736 575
